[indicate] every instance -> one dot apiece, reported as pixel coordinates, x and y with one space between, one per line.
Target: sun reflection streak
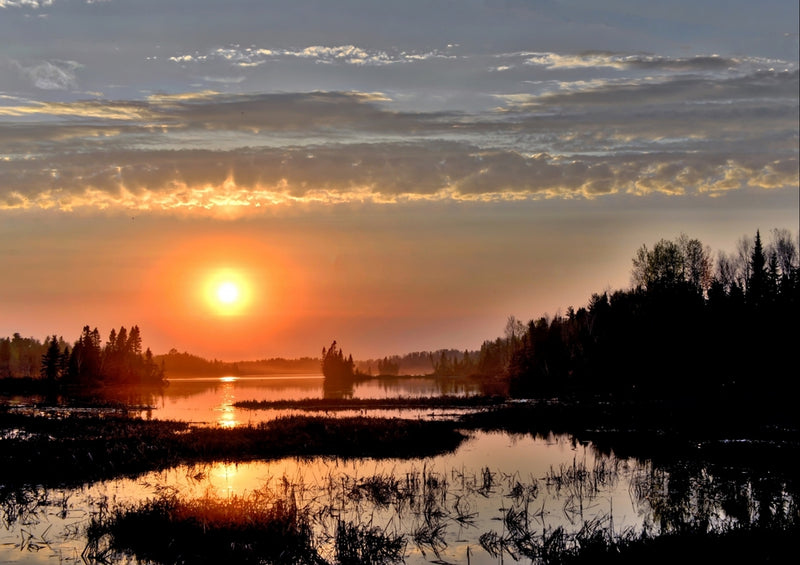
227 472
227 418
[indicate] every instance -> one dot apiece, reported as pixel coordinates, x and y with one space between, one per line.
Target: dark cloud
683 90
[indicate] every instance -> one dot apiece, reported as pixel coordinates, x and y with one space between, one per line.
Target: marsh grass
22 505
359 544
400 402
262 527
688 503
342 518
83 447
265 526
579 485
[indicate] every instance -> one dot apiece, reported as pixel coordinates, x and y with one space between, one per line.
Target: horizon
250 182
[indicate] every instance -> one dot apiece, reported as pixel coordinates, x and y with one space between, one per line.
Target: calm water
468 494
478 480
209 400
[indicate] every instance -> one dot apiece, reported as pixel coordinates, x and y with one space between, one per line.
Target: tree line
440 363
88 363
689 326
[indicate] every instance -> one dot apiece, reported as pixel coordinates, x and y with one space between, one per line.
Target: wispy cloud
51 75
345 54
599 60
35 4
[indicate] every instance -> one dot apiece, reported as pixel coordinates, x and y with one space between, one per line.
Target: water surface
472 489
210 400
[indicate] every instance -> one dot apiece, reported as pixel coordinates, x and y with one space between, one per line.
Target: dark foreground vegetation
282 523
263 527
79 448
329 404
279 525
84 446
692 464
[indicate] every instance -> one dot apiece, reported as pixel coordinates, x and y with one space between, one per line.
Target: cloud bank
678 126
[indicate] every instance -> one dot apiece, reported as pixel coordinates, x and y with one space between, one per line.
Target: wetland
434 473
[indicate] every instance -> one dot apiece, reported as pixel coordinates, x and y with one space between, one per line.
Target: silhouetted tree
757 283
334 364
696 263
5 358
387 366
51 361
663 266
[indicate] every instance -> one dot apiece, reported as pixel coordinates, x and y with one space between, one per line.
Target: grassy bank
331 404
80 448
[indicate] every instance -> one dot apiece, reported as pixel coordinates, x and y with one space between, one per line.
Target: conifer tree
757 284
51 361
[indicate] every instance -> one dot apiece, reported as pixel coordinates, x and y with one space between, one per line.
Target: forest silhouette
87 365
689 327
682 330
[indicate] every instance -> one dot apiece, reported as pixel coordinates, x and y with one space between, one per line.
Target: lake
210 400
480 504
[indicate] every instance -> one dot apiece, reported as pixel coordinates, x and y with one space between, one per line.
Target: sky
395 176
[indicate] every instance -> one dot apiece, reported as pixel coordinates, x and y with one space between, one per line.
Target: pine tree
757 284
51 361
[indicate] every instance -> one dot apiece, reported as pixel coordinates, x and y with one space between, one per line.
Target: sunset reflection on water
209 401
226 409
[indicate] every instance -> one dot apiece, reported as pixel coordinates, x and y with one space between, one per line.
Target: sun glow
192 285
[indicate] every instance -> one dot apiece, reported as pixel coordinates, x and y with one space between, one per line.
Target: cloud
623 61
335 54
647 62
225 80
86 109
52 75
682 90
35 4
384 173
704 133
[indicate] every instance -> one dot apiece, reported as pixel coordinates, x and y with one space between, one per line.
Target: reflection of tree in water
691 498
337 389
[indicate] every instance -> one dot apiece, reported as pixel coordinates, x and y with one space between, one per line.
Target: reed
334 404
263 527
79 447
358 544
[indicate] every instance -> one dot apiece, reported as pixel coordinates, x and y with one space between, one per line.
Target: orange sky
380 279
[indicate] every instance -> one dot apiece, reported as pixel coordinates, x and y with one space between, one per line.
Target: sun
228 292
